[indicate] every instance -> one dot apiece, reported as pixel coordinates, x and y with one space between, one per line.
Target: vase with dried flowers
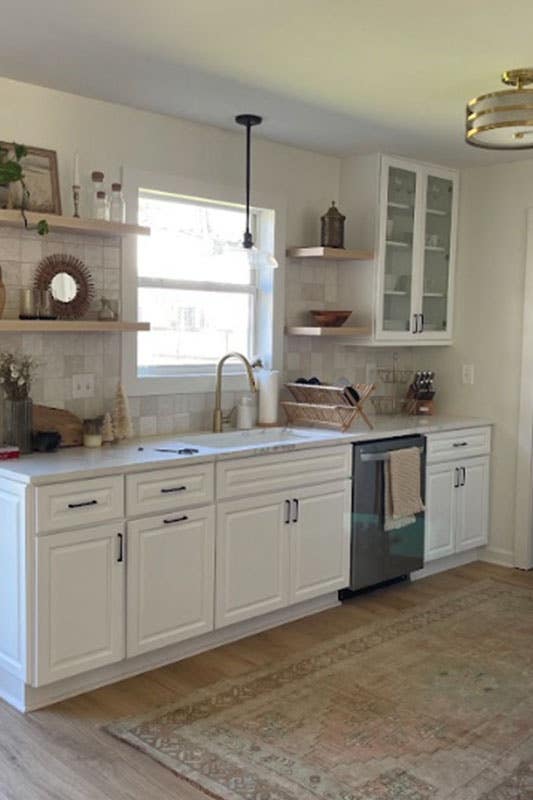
16 373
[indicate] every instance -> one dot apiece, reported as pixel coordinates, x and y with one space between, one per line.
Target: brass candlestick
76 200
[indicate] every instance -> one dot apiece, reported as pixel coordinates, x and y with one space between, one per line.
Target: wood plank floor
62 753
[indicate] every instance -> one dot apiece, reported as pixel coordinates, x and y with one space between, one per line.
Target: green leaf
21 151
10 172
42 227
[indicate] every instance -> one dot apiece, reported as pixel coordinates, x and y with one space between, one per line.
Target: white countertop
78 463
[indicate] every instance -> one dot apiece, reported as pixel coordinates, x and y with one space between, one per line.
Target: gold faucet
217 415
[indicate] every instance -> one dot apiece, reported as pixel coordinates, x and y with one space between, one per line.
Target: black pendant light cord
248 120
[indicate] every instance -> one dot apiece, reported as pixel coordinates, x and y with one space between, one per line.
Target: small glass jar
97 179
101 206
92 432
30 300
117 206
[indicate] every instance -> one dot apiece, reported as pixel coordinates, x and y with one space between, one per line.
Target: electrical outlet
82 386
468 374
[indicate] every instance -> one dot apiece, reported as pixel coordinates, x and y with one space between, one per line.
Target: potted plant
11 172
16 374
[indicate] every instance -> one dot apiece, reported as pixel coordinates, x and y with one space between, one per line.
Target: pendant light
258 259
503 120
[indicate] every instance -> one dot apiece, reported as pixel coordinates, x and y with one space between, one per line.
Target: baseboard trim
443 564
497 555
29 698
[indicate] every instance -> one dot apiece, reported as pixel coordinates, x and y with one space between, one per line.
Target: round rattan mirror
69 282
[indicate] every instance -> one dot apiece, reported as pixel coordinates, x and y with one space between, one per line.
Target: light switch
468 374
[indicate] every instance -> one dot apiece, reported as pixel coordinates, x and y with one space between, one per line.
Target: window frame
268 288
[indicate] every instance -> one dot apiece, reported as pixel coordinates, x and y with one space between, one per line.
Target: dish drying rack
328 406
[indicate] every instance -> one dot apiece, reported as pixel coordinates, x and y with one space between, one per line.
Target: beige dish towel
402 488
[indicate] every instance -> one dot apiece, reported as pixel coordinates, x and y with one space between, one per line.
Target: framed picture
42 181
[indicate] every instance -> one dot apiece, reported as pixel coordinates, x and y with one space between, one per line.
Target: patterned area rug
434 703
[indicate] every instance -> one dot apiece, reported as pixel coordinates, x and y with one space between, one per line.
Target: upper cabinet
407 213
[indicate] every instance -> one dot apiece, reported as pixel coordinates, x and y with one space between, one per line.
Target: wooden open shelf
94 227
330 253
69 326
315 330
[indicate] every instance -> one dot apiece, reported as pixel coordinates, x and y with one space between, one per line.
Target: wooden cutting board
67 424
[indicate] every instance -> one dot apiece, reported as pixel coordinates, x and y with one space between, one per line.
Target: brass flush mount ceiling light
503 120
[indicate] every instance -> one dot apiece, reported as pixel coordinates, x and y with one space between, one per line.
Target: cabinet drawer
169 489
246 476
77 503
459 444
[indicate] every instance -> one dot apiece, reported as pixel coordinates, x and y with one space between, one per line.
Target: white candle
76 181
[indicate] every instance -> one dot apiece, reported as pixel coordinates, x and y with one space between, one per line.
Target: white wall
108 135
488 323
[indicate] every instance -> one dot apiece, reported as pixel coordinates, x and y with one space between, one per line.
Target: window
191 281
194 285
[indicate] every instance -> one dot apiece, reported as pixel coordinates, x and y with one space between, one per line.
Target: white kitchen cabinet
170 582
79 601
252 557
441 497
277 549
320 541
407 213
457 506
473 504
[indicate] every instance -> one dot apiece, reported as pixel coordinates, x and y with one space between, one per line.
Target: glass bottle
101 208
117 206
97 178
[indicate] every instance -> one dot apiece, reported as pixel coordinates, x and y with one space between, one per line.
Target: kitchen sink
257 437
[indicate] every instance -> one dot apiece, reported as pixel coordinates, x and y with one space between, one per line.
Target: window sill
184 384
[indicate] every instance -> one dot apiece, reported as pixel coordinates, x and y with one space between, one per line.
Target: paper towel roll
268 382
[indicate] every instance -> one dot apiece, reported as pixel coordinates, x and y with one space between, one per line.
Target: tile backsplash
61 356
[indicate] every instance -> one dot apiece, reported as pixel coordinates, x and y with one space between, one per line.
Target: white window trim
269 341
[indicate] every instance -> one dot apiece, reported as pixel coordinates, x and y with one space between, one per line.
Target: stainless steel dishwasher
378 555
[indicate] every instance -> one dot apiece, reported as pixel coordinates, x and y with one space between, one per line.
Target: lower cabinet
320 541
281 548
171 562
457 506
80 583
252 557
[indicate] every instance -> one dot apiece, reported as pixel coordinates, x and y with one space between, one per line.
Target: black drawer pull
460 444
174 520
120 537
84 504
173 489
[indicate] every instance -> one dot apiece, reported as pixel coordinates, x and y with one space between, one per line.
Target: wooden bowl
330 319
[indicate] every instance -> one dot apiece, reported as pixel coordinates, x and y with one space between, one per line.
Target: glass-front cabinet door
439 239
400 188
417 230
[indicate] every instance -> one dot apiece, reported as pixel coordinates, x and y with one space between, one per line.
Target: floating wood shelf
94 227
330 253
315 330
69 326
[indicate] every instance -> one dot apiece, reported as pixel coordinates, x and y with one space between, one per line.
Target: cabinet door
441 503
473 504
252 557
320 540
400 234
440 204
80 601
170 578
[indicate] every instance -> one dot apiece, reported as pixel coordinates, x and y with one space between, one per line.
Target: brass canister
332 228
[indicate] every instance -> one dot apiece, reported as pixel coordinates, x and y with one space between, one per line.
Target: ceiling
337 76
